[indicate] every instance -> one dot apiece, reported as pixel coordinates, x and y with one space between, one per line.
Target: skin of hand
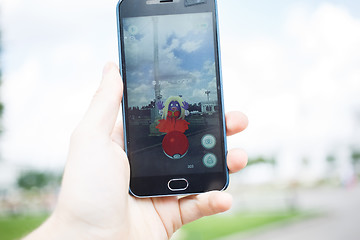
94 201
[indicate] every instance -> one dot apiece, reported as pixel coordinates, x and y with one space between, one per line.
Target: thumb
105 104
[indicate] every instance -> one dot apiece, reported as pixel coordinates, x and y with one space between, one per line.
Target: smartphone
174 124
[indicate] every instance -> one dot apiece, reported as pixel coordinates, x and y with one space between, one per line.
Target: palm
148 222
163 213
104 203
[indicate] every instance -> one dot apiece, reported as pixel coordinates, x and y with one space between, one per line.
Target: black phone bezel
158 185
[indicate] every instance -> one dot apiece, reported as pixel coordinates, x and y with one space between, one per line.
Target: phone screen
173 95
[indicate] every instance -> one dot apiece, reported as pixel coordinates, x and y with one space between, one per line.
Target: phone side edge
120 68
221 94
121 73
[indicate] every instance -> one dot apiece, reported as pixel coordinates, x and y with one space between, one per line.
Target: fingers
206 204
236 160
104 107
118 134
235 122
195 207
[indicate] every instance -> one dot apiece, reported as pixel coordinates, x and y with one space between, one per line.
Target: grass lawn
13 228
222 225
16 227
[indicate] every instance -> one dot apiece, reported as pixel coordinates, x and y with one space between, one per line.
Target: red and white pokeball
175 145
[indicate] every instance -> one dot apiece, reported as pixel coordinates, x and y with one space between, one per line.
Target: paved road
341 221
153 161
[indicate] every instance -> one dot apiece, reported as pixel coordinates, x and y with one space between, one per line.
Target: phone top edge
117 5
140 8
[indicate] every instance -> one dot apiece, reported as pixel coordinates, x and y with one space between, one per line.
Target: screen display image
173 105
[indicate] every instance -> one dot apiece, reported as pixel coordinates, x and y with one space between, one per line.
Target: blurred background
292 66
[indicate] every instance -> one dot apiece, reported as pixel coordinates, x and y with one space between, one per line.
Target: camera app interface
173 120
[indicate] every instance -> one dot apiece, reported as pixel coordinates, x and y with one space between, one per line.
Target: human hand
94 202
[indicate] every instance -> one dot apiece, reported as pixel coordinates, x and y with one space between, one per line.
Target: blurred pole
155 116
156 61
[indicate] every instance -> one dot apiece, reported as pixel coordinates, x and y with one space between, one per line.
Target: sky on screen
186 57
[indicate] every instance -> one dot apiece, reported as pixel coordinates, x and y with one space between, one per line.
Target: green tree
355 156
30 180
356 161
258 160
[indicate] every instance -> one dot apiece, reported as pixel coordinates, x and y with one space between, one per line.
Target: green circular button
209 160
208 141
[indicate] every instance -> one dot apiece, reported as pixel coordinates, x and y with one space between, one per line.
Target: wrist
59 226
54 228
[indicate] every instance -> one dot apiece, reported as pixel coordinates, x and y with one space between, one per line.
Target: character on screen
175 144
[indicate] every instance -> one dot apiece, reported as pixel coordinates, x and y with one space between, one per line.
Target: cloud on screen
186 57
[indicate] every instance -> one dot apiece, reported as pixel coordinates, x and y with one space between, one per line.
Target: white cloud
142 94
330 30
53 55
300 88
191 46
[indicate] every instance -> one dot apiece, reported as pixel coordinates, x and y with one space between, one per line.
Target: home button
179 184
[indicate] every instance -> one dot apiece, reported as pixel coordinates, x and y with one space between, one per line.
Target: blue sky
291 66
186 57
